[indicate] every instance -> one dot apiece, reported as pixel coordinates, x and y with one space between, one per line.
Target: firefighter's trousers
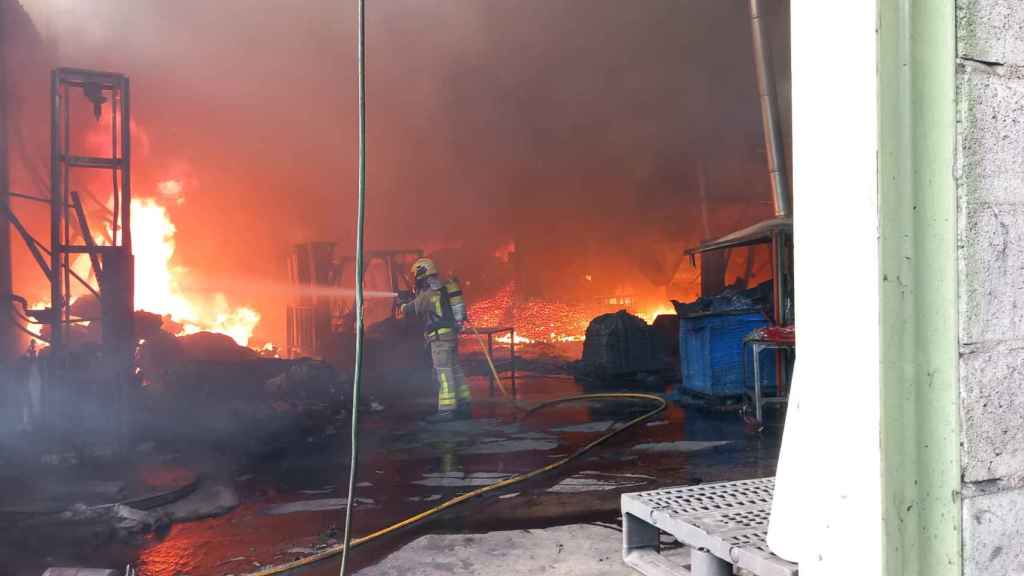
452 390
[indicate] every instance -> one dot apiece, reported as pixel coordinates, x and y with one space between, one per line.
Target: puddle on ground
290 506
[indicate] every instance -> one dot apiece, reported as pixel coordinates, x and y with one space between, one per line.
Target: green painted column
918 284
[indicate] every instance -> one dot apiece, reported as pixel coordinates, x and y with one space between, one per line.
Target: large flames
161 286
159 283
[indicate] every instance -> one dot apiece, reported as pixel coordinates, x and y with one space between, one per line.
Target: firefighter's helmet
423 267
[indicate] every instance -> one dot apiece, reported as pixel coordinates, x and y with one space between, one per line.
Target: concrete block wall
990 188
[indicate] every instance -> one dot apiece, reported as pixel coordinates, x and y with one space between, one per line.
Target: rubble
207 387
213 497
304 379
209 346
210 498
129 520
731 299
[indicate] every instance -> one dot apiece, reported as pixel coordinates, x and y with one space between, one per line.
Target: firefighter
443 309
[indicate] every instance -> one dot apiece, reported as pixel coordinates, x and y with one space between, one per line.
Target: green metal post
917 248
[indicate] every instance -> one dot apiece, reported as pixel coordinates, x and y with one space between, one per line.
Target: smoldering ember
493 287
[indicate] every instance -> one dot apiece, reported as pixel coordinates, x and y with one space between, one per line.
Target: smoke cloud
576 129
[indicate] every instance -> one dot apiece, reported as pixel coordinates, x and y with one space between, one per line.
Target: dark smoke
575 128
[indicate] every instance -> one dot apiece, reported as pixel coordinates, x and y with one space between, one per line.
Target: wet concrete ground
593 549
291 504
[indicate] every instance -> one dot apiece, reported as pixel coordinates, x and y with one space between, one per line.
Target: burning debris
536 320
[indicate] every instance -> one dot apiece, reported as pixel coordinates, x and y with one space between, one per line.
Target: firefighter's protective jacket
442 308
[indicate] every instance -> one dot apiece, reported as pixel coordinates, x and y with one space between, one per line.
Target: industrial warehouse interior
509 287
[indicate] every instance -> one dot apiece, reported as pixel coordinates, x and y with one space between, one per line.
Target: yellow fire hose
338 549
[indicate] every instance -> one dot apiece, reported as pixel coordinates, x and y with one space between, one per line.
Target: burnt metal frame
301 309
63 202
302 331
111 264
491 332
389 257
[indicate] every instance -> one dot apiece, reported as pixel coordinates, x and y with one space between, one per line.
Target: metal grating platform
724 524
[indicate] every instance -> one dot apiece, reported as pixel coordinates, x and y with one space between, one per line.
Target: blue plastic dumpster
712 353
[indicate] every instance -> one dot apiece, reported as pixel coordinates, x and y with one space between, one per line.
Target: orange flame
507 339
158 283
651 314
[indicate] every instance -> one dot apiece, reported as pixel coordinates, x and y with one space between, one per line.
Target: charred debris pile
199 390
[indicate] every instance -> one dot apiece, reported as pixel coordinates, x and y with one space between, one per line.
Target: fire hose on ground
451 503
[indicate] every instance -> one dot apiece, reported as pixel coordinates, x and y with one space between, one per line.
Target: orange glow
171 190
505 252
37 329
507 339
650 314
160 285
158 282
535 320
550 321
